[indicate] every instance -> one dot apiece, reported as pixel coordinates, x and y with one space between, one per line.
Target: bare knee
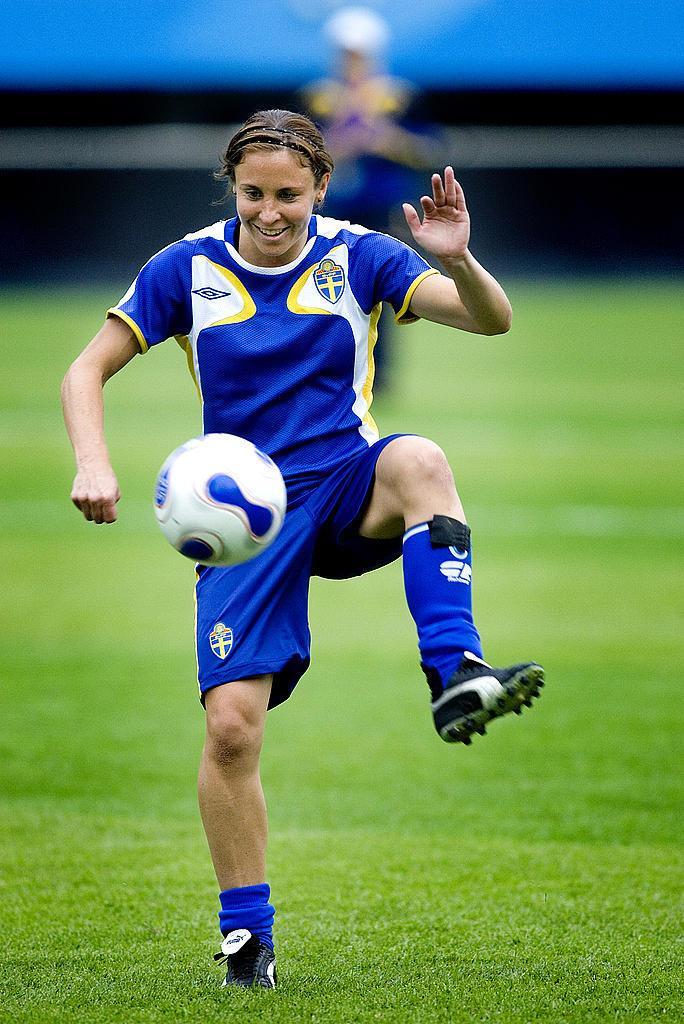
234 732
413 482
418 464
232 740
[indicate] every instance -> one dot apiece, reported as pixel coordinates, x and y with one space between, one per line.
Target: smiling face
275 195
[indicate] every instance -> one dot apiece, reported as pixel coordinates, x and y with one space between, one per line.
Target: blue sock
437 581
248 907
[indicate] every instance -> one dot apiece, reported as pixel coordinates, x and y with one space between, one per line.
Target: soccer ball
219 500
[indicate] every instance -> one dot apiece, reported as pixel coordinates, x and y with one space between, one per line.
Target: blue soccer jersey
281 355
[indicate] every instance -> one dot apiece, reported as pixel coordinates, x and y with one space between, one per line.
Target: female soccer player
277 310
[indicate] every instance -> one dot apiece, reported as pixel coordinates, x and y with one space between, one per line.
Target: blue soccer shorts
252 619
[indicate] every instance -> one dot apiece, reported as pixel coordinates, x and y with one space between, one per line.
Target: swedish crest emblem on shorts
329 280
221 640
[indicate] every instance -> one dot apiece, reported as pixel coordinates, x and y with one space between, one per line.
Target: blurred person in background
375 138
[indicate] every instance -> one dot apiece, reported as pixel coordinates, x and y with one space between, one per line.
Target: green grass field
535 876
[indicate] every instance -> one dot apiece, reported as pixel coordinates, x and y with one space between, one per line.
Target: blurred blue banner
171 45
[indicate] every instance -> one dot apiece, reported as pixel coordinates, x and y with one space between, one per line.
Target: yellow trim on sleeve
140 337
404 316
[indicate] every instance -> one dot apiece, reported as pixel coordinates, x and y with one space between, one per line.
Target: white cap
358 29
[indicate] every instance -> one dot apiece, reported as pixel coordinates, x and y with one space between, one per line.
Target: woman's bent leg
414 493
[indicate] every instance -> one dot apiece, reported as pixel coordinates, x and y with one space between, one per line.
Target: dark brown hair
275 129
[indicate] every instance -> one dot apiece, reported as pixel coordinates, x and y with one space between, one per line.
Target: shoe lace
241 965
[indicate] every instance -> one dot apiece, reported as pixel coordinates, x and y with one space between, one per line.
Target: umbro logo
210 293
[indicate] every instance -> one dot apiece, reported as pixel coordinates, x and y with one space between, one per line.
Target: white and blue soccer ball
219 500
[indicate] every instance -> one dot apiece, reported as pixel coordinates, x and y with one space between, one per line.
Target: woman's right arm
96 490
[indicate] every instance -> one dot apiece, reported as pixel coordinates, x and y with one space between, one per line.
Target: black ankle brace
446 532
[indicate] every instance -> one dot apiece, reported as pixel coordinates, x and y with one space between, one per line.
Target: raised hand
445 228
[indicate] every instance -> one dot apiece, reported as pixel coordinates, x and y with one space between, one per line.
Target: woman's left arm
469 298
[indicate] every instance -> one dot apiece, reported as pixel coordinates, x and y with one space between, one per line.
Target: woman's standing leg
233 813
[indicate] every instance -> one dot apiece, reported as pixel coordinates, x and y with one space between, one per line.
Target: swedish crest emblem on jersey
329 280
221 640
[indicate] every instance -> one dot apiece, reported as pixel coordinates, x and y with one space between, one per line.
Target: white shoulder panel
329 227
218 297
212 231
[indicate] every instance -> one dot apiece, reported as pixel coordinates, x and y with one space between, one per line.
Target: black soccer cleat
477 693
251 963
